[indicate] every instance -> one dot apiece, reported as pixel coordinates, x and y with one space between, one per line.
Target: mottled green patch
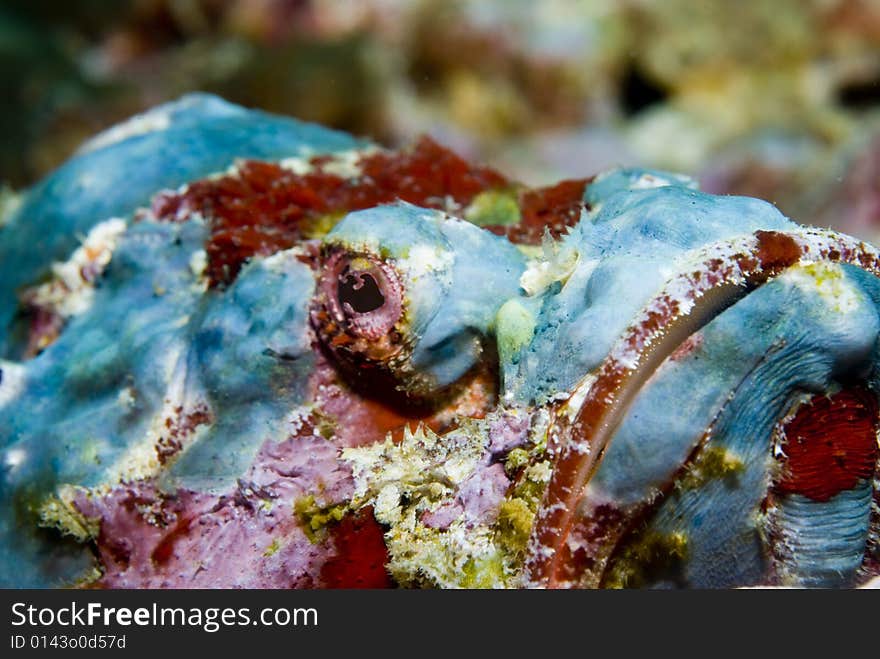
514 329
531 487
651 556
325 424
314 519
418 472
423 472
457 557
494 207
516 460
321 226
58 512
514 525
483 572
711 463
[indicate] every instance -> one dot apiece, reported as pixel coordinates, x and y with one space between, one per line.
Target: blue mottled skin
204 135
92 396
754 360
155 335
251 352
641 221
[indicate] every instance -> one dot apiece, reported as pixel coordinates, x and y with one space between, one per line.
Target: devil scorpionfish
239 350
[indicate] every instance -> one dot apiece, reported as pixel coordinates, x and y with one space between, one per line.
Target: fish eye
358 306
359 292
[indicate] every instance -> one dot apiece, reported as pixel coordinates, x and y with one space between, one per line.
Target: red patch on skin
164 551
361 554
831 444
424 175
361 420
575 558
667 309
264 208
554 208
603 523
777 250
177 428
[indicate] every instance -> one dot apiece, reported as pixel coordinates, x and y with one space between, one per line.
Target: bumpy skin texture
361 368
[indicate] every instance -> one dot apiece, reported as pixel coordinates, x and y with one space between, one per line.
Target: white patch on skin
281 261
72 288
556 263
297 418
648 181
828 282
126 397
10 201
540 472
12 382
344 164
198 263
387 505
423 259
423 474
422 463
299 166
141 459
541 427
14 457
152 121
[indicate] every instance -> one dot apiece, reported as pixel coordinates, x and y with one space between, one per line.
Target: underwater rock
242 351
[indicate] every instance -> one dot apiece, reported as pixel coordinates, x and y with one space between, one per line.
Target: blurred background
778 99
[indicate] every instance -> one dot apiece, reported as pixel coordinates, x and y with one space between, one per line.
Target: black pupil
361 292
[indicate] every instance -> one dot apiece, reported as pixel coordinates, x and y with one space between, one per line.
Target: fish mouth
688 302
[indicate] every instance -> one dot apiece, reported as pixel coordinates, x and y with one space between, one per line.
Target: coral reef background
777 99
